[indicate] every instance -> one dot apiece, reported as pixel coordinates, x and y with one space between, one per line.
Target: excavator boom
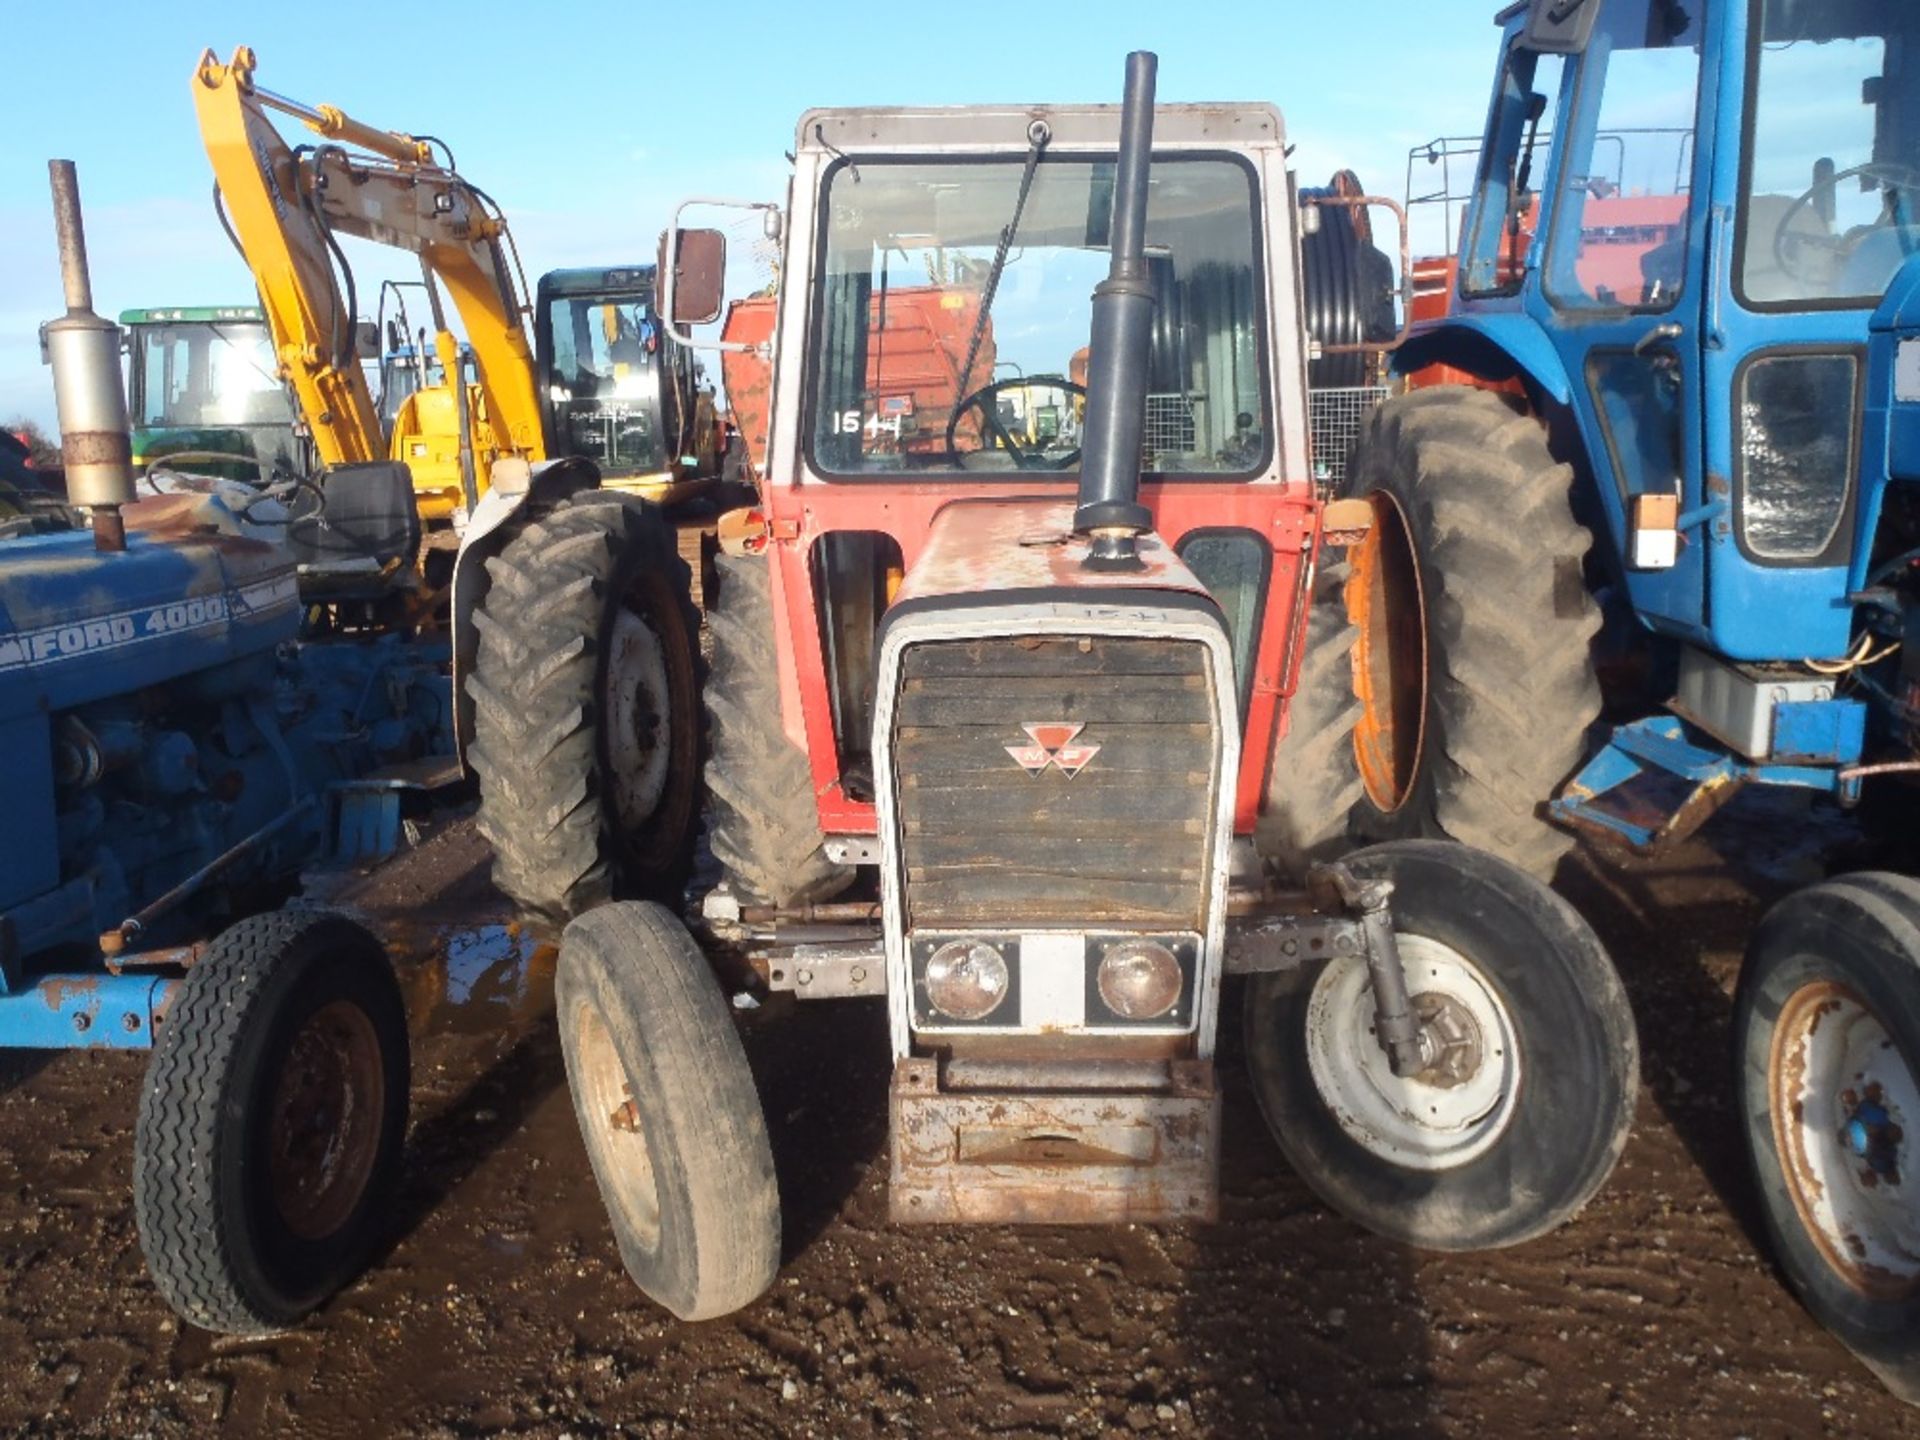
286 204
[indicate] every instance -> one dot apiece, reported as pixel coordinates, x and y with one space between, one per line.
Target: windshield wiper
1038 134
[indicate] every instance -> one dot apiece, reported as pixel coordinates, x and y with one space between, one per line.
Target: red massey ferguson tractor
999 731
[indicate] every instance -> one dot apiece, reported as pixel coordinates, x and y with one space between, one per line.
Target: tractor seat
355 531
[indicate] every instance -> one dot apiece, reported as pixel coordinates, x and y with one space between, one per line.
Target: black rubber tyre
1824 964
765 824
1467 485
268 1146
589 774
668 1111
1313 782
1543 1126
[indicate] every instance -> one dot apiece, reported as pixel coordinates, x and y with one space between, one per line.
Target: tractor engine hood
1004 552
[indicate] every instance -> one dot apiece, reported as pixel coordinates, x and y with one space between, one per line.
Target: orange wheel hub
1387 605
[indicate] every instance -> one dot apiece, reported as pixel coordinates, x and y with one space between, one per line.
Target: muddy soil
501 1306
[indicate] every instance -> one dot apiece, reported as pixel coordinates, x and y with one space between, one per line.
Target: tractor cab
943 352
204 391
1683 218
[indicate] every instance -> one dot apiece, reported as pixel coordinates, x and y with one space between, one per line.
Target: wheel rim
1841 1095
324 1136
1387 605
614 1129
1448 1114
638 706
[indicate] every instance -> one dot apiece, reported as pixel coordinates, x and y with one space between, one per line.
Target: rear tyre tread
765 821
1314 782
535 687
1512 683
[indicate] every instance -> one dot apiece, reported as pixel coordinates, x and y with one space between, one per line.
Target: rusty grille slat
1124 840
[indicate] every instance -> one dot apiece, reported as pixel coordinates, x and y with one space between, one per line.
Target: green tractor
205 393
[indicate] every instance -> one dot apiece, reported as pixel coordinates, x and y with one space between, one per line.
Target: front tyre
268 1145
1827 1046
668 1110
1523 1111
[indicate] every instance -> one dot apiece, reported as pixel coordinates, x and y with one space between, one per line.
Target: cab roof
189 314
976 128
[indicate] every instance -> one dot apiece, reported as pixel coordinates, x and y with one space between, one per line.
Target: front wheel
1525 1107
668 1110
268 1146
1827 1040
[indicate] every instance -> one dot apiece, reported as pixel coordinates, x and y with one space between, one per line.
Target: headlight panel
1054 981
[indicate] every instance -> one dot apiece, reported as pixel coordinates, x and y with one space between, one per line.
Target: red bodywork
1287 514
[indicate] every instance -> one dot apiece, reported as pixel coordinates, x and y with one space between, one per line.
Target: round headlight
967 979
1140 979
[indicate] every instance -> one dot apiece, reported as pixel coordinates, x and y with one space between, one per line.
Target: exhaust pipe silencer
84 350
1109 510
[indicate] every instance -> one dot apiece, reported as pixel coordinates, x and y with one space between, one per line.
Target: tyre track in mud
502 1307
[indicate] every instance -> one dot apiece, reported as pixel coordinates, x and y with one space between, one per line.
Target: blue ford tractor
200 695
1658 458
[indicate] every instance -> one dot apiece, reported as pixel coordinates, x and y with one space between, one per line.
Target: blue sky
587 121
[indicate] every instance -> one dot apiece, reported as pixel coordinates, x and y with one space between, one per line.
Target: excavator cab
615 393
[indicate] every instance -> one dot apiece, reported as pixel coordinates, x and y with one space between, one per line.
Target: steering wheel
1893 177
1025 457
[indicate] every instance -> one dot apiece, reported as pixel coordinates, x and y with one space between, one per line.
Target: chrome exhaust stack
88 390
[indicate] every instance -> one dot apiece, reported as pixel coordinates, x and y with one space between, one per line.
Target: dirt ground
501 1306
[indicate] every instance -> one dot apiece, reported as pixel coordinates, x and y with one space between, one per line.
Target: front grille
1123 840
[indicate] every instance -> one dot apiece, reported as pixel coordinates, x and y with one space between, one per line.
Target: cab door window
1505 214
1623 197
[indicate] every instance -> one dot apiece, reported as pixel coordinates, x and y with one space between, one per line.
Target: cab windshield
604 379
1830 204
917 370
207 373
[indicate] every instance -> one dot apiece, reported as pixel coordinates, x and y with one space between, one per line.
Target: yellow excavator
574 479
610 392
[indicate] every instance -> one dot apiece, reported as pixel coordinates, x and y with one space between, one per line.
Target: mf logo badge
1053 745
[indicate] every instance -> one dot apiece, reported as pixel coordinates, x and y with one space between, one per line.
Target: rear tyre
1827 1046
668 1111
268 1145
1521 1117
1313 782
587 718
765 820
1473 658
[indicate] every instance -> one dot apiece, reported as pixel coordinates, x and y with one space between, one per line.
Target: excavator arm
285 206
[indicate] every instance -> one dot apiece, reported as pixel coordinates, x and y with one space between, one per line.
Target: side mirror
693 271
1560 27
366 338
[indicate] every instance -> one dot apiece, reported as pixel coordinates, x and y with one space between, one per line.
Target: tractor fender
1495 347
503 512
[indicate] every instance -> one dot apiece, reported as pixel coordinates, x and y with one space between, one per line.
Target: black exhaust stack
1110 511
